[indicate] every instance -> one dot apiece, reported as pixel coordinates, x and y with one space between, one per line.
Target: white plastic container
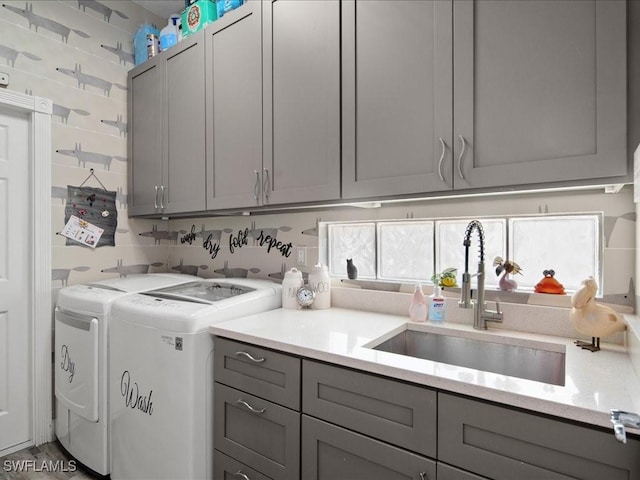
169 34
436 306
320 283
291 282
418 308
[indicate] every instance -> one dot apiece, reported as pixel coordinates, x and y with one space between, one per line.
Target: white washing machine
81 368
161 374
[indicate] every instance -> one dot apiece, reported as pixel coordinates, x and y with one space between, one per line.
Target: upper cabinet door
144 138
397 97
184 141
234 108
301 85
539 91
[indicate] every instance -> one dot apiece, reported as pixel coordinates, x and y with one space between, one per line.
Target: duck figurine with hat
592 319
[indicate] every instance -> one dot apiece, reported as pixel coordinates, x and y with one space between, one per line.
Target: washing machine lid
96 298
141 282
203 291
178 312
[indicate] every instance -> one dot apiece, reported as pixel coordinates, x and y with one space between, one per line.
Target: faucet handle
498 307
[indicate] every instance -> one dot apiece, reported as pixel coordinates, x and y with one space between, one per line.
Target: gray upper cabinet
396 97
481 94
167 137
539 91
273 80
144 138
234 108
301 88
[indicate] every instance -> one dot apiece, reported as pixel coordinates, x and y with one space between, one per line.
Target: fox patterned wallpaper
78 52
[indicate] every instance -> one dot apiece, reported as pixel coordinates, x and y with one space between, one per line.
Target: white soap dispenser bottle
436 305
418 307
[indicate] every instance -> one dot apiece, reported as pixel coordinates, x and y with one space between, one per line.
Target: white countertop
595 381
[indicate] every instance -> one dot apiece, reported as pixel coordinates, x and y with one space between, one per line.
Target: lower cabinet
332 453
257 432
505 444
447 472
397 413
280 417
227 468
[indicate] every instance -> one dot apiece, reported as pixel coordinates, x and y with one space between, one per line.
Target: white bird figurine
591 318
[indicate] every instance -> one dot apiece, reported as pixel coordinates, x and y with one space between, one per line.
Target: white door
15 268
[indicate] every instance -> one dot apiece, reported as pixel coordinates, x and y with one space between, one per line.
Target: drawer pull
241 475
250 357
245 404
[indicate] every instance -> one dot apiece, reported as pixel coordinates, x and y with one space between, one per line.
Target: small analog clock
305 296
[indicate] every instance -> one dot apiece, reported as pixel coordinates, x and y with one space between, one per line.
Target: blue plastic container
140 42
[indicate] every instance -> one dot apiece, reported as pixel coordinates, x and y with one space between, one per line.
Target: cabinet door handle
265 183
256 187
161 197
464 147
241 475
249 356
155 198
245 404
444 148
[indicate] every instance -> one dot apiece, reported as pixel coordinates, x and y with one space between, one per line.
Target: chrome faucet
620 420
480 313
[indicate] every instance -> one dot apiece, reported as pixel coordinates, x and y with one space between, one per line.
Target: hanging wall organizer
91 217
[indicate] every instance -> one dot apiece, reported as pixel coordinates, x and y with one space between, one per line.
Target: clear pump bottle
418 307
436 306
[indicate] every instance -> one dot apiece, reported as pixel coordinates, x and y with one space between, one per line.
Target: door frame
39 111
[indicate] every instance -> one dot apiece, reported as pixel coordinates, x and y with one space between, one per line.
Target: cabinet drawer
227 468
395 412
330 453
271 375
504 444
447 472
259 433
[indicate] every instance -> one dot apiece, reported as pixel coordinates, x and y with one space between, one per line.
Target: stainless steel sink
513 360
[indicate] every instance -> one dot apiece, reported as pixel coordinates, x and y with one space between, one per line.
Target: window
413 250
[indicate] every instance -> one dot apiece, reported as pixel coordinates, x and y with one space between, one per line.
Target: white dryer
161 374
81 376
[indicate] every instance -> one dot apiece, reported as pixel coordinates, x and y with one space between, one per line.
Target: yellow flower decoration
447 278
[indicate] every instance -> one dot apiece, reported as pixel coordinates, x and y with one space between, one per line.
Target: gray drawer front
265 438
505 444
227 468
271 375
395 412
447 472
331 453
